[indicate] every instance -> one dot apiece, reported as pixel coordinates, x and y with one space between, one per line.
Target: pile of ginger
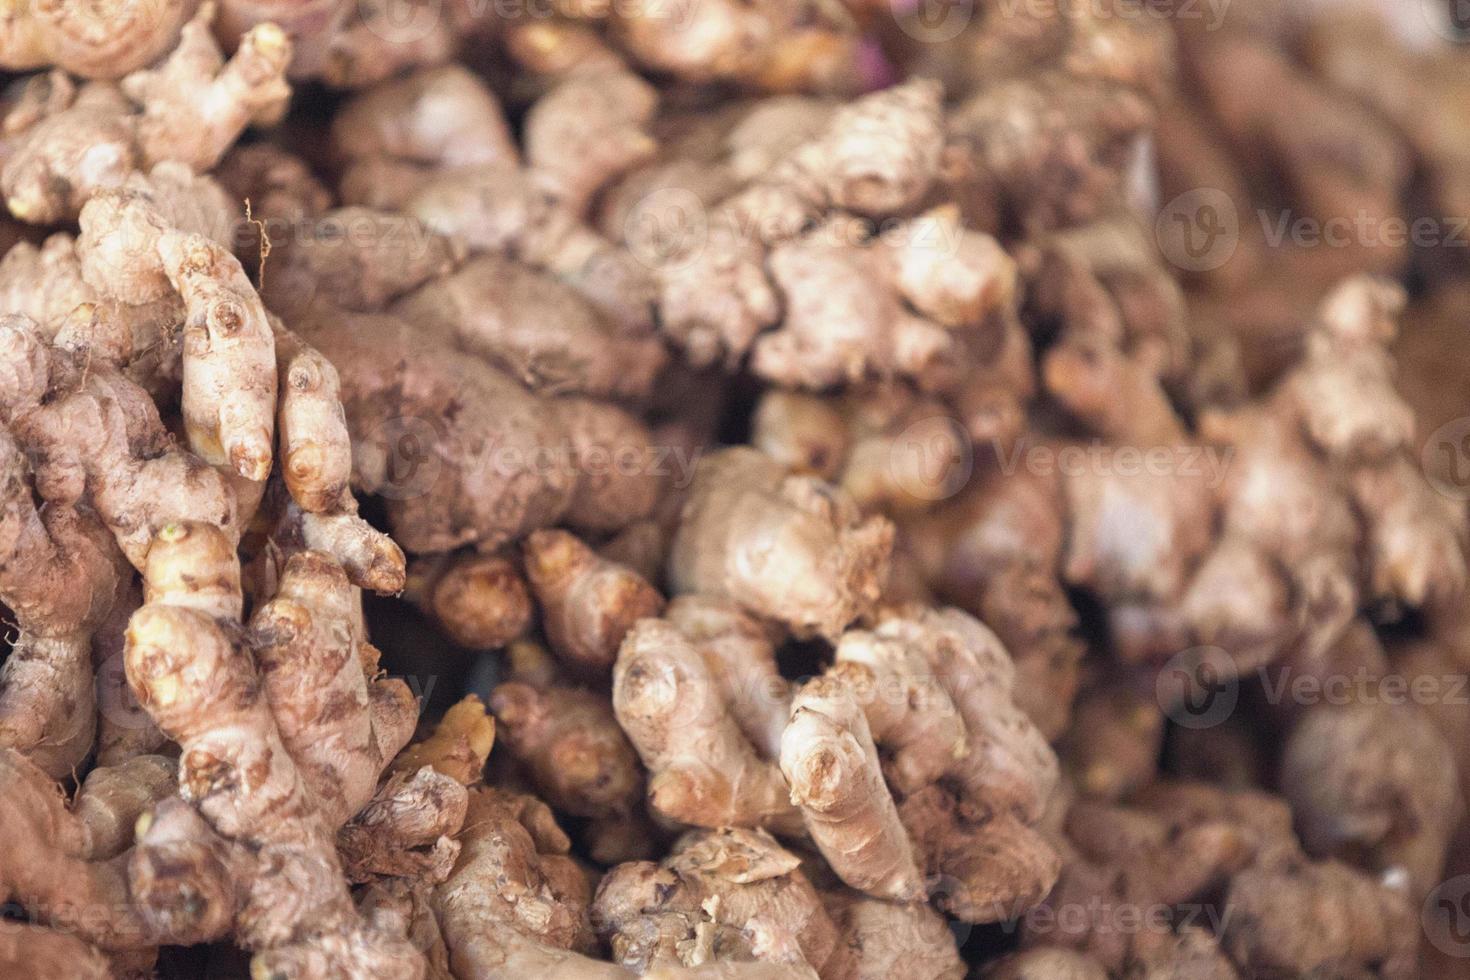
723 489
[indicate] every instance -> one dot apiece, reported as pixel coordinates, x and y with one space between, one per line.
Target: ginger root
588 604
677 698
789 548
950 808
481 602
721 895
189 665
84 140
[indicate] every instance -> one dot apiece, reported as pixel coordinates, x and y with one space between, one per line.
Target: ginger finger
829 760
458 747
788 548
703 771
229 394
588 603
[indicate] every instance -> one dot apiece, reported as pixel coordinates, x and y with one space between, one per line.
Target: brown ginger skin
570 742
831 763
882 937
122 461
1114 744
50 954
535 328
354 258
481 601
931 689
1049 962
1365 782
1369 922
436 146
588 603
437 499
50 868
62 577
874 157
503 463
995 550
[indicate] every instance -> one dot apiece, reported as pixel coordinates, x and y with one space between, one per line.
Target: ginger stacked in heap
829 503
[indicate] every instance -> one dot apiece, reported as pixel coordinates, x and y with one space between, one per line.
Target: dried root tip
481 601
406 830
738 891
459 746
370 558
831 764
788 548
588 603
